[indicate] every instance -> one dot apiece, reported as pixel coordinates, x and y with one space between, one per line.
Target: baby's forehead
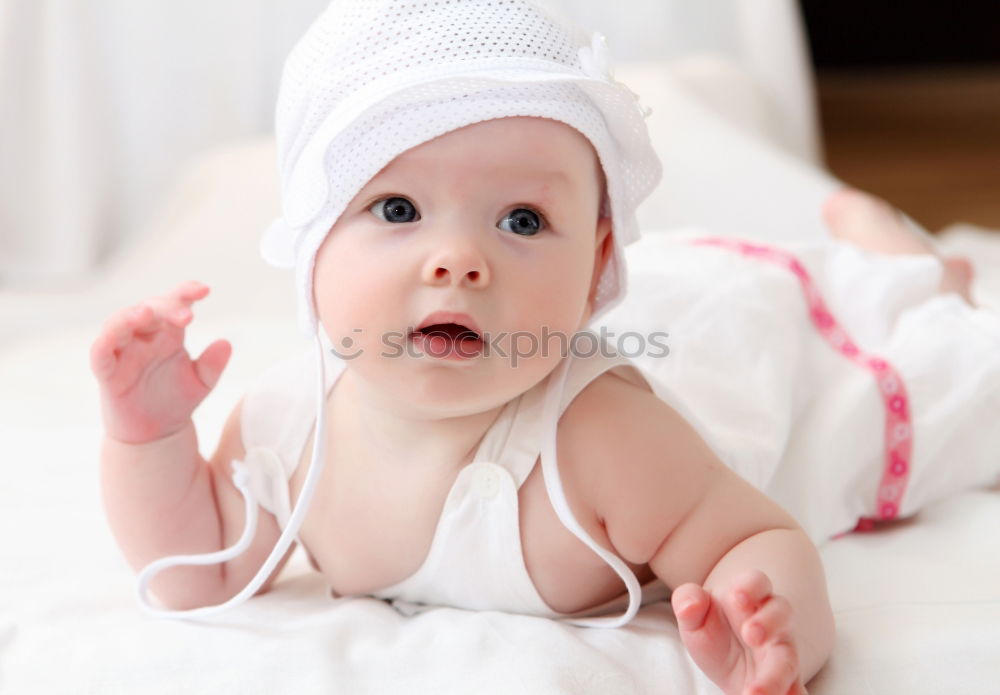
515 150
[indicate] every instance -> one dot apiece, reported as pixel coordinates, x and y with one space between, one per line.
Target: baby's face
498 220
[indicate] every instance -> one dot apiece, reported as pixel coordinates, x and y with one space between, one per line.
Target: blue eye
523 222
395 209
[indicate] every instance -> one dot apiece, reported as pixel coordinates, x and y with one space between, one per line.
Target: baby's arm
160 496
708 534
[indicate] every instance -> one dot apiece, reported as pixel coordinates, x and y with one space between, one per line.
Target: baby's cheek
347 297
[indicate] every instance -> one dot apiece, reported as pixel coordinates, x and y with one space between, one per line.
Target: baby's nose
463 265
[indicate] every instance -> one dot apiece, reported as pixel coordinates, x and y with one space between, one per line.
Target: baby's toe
957 277
849 206
836 204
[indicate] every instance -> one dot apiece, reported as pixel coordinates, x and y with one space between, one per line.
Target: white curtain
105 101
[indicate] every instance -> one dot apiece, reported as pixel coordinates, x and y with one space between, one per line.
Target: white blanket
917 605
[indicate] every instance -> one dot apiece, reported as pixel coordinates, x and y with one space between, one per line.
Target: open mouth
448 341
453 331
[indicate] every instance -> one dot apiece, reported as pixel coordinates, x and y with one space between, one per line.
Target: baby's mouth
448 341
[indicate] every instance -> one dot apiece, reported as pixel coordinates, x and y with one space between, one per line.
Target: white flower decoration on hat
596 63
594 58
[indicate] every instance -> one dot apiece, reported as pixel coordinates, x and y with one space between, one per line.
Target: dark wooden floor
925 139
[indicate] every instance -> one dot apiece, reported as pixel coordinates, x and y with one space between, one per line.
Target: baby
455 190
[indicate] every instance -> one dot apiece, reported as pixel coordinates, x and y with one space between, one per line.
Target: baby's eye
522 221
394 209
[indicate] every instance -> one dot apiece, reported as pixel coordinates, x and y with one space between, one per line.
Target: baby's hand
149 385
741 638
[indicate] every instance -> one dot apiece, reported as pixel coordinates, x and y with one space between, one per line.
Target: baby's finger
170 310
145 320
102 355
117 332
212 361
175 306
748 591
148 317
777 669
770 621
691 604
188 292
121 326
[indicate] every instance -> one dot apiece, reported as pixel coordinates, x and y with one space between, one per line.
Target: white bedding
917 604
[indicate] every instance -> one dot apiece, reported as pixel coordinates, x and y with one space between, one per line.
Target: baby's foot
871 223
741 638
957 277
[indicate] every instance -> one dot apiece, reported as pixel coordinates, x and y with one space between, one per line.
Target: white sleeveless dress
475 559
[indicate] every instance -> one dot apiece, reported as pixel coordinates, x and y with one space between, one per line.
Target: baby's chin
428 389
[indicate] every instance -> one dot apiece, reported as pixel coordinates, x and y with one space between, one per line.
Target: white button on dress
268 481
487 480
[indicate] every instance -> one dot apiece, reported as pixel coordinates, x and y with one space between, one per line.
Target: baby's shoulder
618 428
619 412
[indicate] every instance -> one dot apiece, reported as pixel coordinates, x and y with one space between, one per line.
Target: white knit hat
371 79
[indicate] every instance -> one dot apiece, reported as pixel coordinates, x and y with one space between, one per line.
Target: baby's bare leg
873 224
